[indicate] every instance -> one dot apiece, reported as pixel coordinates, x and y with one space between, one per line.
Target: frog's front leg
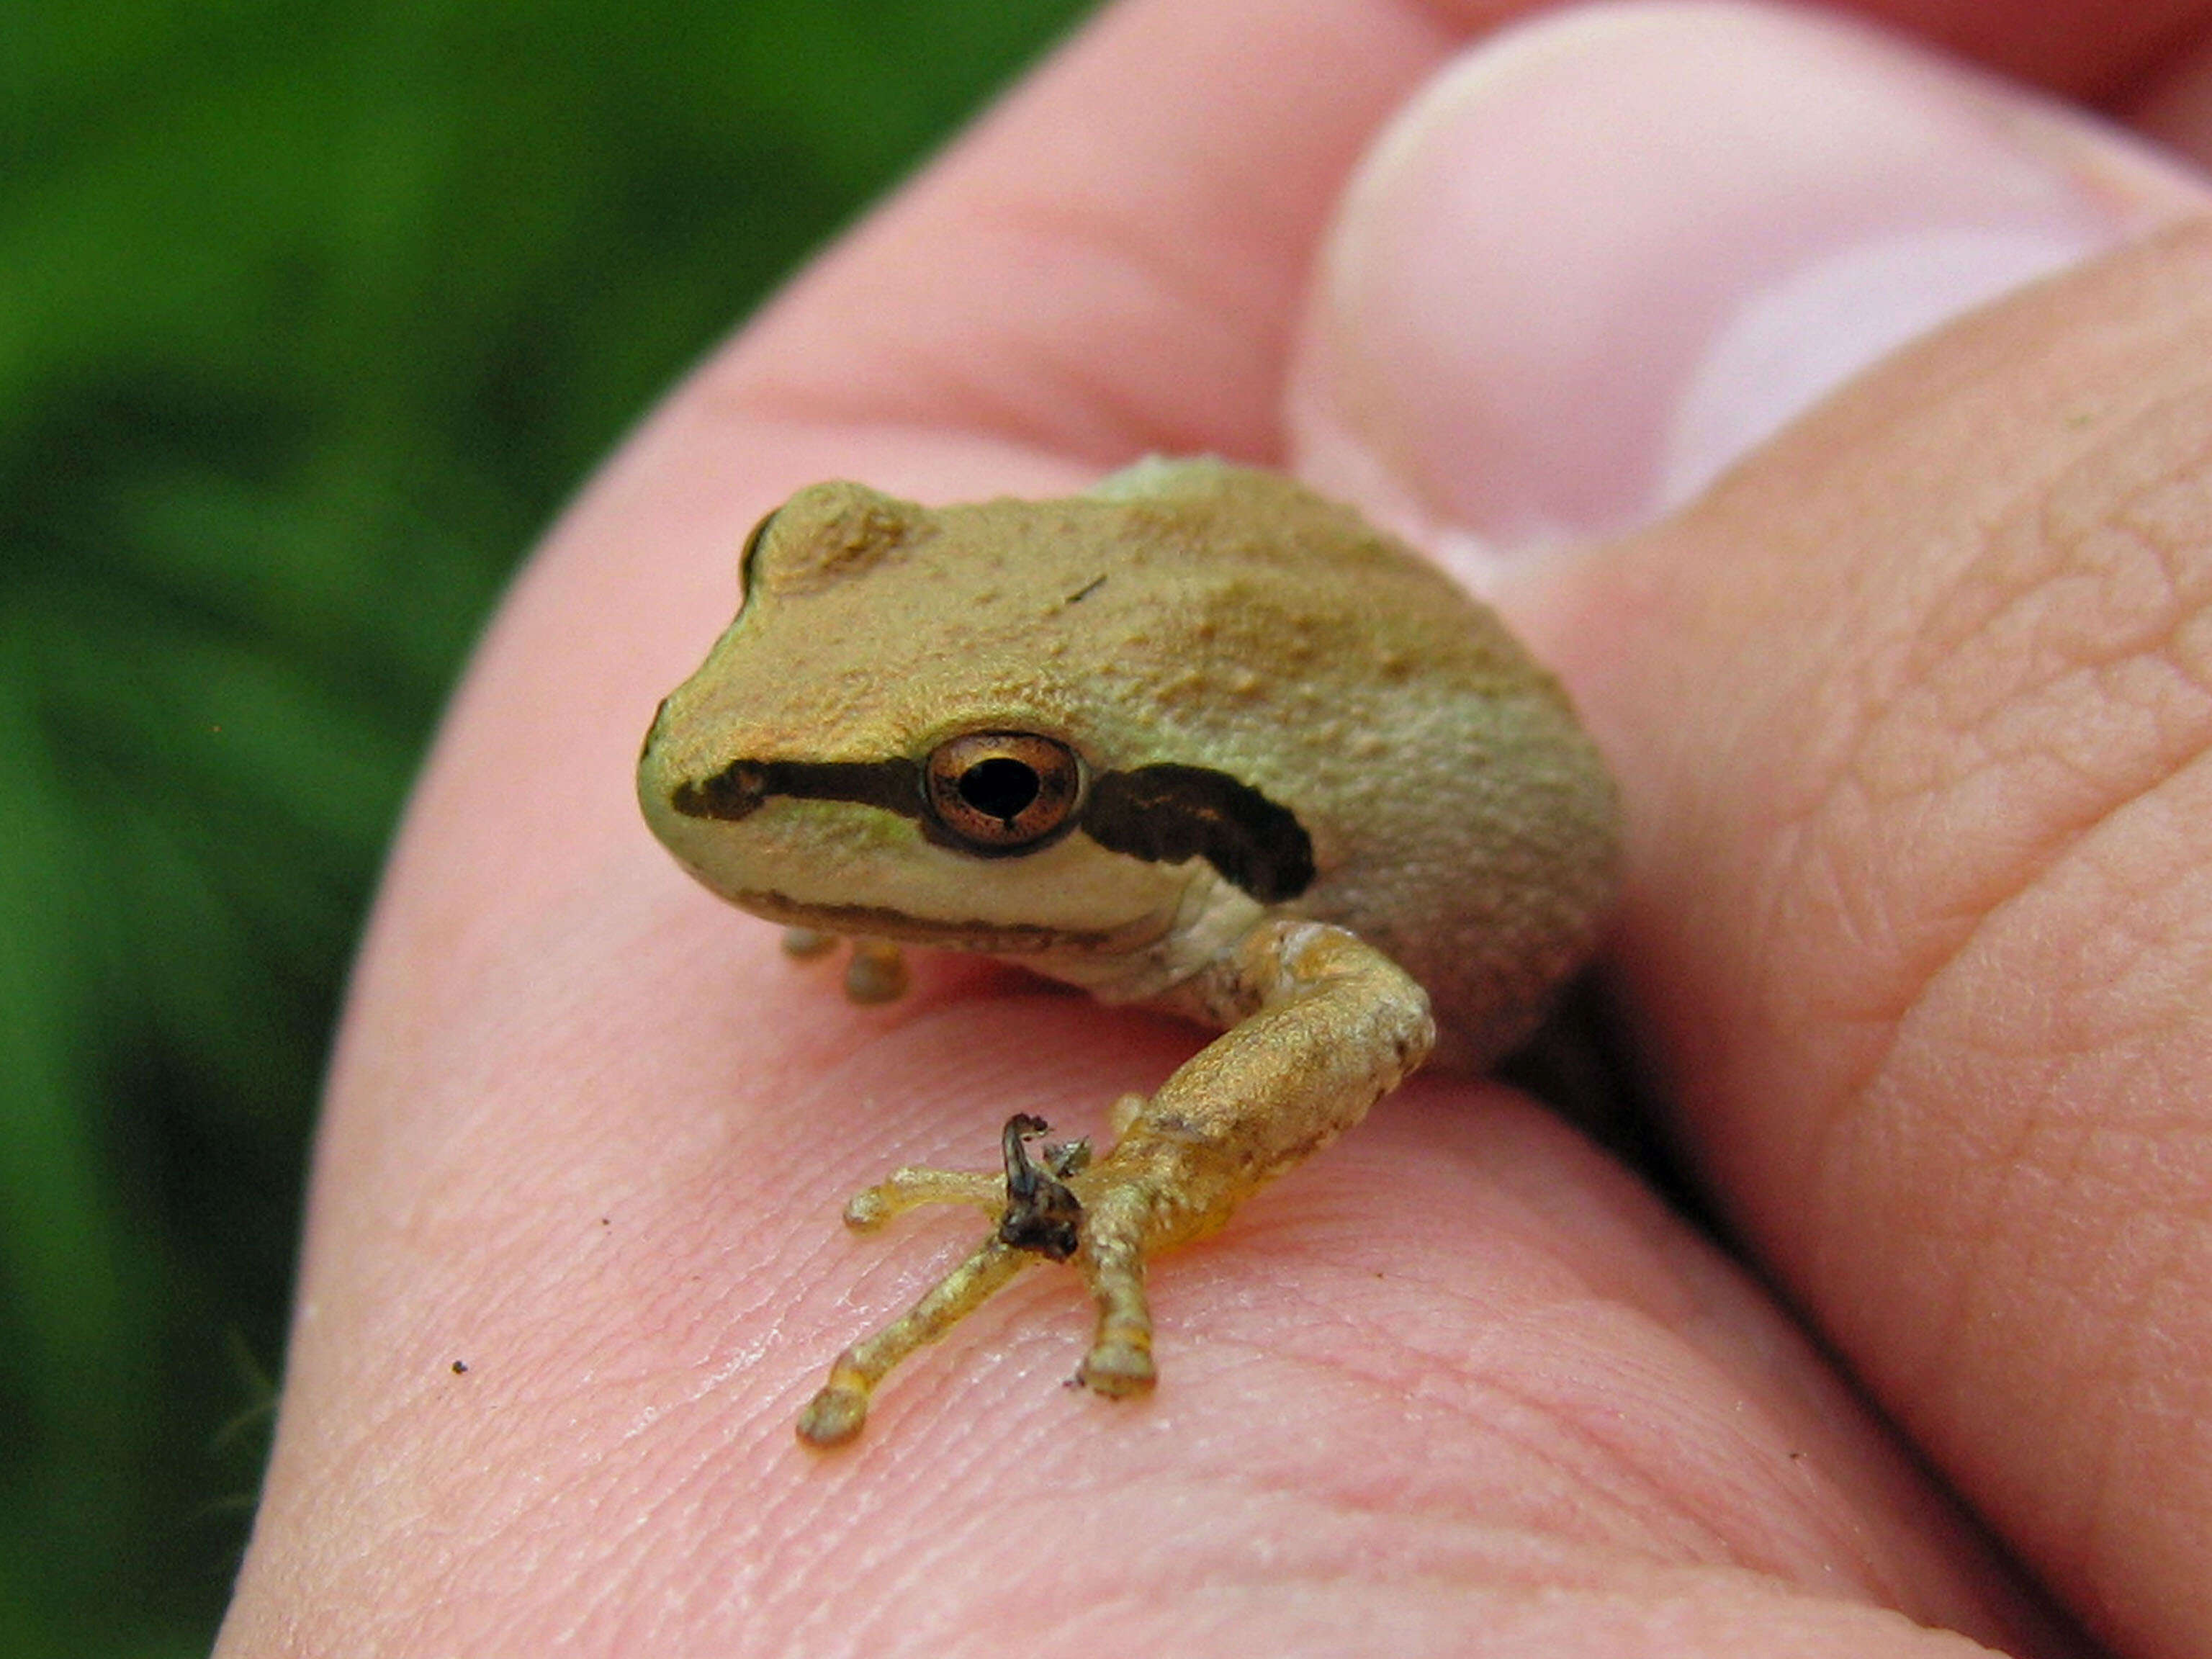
1319 1026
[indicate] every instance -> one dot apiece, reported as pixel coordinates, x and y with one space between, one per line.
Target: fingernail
1609 252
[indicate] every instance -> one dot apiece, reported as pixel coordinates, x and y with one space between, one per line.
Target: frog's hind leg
837 1413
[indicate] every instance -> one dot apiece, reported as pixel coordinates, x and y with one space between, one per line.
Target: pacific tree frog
1198 738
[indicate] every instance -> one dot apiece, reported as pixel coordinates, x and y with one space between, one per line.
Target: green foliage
311 315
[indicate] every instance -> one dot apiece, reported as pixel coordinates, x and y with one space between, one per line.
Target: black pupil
998 787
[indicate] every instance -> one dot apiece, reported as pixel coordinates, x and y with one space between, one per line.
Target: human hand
1905 706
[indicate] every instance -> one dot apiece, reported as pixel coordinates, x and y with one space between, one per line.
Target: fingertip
1611 250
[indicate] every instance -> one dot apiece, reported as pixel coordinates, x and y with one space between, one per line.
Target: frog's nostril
735 792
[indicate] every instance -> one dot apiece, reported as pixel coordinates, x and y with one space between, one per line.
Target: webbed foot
1039 1216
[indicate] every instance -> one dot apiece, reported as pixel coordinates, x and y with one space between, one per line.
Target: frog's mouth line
991 938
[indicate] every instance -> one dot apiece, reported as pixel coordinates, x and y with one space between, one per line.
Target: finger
1908 711
1922 906
1532 325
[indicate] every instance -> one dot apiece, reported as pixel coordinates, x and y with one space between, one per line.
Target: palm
1916 967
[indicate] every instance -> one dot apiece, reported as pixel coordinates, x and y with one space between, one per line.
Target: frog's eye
1003 792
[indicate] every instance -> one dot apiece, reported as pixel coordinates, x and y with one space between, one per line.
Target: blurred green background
310 316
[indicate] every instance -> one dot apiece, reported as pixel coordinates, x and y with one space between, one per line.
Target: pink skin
1909 712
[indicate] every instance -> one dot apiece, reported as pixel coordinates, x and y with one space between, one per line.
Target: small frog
1198 738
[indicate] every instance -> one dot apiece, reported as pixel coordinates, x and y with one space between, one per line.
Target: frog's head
902 735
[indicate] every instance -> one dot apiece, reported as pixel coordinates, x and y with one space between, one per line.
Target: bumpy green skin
1216 622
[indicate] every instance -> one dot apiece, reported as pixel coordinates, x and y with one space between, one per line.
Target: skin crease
1462 1385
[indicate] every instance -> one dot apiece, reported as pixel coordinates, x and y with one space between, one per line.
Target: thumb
1909 706
1617 246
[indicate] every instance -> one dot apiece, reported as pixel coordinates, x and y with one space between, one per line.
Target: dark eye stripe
1168 813
1163 814
743 788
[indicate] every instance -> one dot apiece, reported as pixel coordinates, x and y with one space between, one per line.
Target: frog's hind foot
1038 1217
1120 1363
